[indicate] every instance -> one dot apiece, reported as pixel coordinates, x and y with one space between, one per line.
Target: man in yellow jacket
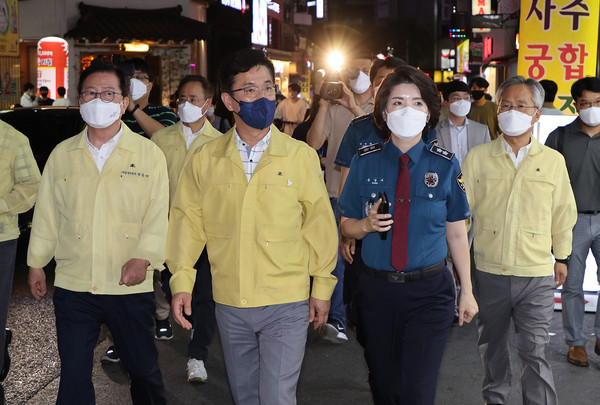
179 143
102 214
256 198
523 211
19 181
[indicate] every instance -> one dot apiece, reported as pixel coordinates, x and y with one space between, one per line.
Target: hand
377 222
560 273
323 103
318 311
347 247
467 307
347 99
134 272
37 282
182 302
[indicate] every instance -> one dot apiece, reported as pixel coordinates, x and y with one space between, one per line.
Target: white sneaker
196 371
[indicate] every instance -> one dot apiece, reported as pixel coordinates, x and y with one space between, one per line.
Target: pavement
331 373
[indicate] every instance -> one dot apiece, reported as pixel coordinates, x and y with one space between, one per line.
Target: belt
405 276
588 212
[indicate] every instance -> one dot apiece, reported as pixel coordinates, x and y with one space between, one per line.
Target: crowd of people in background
388 205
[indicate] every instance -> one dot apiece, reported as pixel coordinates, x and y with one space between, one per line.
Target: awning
103 24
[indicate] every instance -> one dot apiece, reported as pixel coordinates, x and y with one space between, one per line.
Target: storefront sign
558 41
53 62
260 23
9 28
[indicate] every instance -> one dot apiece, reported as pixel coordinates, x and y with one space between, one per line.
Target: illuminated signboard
488 47
558 41
481 7
260 26
237 4
463 56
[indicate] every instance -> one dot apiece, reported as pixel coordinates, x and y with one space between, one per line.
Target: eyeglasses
193 100
587 104
107 95
140 77
254 91
520 108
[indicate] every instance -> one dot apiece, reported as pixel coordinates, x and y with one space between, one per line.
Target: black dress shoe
6 365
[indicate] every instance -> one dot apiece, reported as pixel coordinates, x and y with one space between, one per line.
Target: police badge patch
461 182
431 179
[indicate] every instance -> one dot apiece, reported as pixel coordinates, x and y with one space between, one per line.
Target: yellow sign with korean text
558 41
9 28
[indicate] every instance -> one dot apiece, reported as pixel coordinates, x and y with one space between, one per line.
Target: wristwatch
135 108
563 261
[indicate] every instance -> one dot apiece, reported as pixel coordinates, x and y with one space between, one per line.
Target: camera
332 90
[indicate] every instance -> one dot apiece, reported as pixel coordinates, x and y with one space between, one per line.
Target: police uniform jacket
171 140
437 196
520 215
93 222
264 237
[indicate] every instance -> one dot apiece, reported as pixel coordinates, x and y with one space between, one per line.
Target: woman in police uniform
405 293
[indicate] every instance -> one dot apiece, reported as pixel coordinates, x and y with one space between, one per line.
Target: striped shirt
251 156
160 113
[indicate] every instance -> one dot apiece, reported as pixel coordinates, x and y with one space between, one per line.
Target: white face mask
98 114
189 113
211 110
590 116
514 123
360 84
407 122
460 108
375 89
137 89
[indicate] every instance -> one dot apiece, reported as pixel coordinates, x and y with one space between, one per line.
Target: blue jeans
586 236
338 310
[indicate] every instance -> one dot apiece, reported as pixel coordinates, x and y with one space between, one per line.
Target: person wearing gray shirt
579 143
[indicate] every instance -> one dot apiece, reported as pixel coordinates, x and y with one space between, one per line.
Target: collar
187 131
112 141
413 153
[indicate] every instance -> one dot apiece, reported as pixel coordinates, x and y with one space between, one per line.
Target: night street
331 374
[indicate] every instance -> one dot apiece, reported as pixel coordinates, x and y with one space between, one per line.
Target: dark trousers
203 310
8 254
404 327
130 319
351 273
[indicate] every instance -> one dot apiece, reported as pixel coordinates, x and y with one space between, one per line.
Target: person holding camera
405 291
338 106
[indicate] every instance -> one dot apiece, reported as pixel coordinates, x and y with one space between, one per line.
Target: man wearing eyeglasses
256 199
141 116
523 212
579 143
179 143
102 214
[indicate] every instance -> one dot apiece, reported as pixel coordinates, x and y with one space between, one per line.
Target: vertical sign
9 28
462 51
260 35
558 41
53 58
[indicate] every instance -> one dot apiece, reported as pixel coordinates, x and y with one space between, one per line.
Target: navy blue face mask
259 113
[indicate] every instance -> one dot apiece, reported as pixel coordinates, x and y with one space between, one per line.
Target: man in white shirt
458 133
28 98
291 110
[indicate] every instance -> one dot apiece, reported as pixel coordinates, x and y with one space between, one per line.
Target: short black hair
209 90
44 89
143 66
61 91
479 82
550 90
453 86
390 62
97 66
240 62
412 75
587 83
295 87
28 86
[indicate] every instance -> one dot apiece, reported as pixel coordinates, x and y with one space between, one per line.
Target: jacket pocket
534 248
487 245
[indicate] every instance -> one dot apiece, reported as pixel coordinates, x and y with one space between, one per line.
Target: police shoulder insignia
438 150
461 182
365 150
431 179
361 118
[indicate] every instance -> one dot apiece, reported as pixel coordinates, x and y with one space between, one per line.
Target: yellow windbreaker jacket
92 223
19 180
264 237
171 141
519 214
